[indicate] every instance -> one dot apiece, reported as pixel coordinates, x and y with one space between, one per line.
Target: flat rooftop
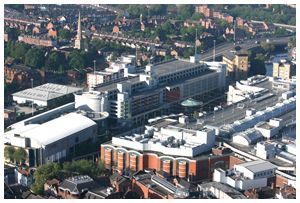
266 126
230 191
111 86
258 165
57 128
47 92
170 67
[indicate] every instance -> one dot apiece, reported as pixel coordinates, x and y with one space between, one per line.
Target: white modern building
91 101
250 121
170 140
53 140
265 150
245 176
117 70
46 95
269 129
246 89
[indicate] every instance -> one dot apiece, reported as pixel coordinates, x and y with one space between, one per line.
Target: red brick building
240 22
39 41
194 169
21 75
207 12
50 26
52 32
116 29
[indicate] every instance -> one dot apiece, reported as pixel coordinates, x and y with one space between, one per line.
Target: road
248 44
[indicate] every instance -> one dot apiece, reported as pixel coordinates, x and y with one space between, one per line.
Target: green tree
54 61
157 9
168 28
83 167
267 47
188 52
280 32
44 173
257 65
185 11
35 58
101 166
18 50
9 153
65 34
13 33
20 155
76 60
197 16
135 10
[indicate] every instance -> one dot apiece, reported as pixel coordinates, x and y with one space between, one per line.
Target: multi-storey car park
161 88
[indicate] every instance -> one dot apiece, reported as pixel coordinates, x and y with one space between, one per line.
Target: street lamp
32 100
94 66
214 50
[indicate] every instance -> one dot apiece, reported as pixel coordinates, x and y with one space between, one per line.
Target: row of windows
182 74
264 173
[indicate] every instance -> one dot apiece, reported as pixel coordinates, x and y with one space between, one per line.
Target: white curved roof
59 128
251 135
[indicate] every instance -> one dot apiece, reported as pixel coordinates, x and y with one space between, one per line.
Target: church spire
78 40
79 27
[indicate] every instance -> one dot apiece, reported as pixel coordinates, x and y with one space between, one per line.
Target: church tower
78 40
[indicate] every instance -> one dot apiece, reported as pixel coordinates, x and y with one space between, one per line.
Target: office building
117 70
237 65
245 176
284 70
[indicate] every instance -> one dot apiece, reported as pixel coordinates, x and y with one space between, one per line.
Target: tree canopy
61 171
54 61
35 58
65 34
15 155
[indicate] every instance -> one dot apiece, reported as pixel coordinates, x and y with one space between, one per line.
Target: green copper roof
191 103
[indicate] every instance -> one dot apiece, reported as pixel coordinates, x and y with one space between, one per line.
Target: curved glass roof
191 103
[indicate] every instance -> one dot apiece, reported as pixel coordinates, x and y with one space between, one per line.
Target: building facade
162 87
173 150
245 176
237 66
284 70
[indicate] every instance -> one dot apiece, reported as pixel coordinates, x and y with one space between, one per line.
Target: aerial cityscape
137 101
